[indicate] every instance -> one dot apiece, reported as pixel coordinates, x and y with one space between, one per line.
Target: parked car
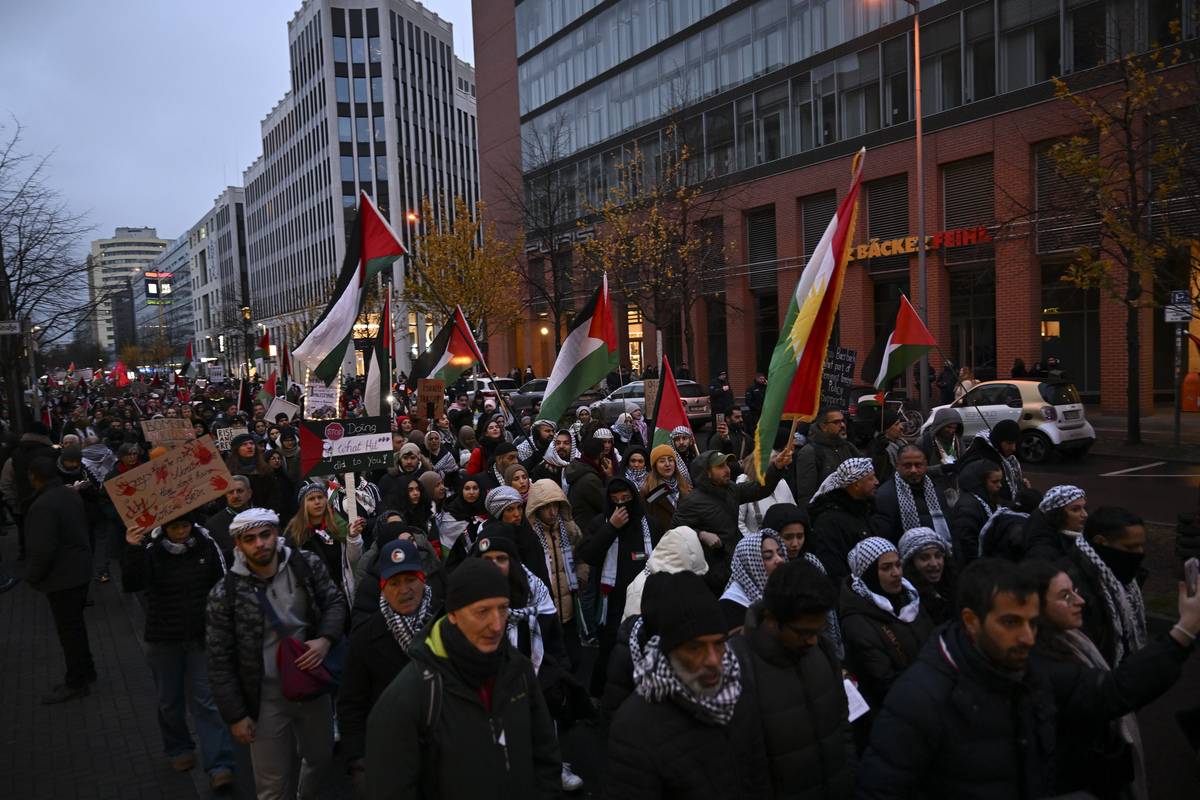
1049 412
489 386
695 397
529 393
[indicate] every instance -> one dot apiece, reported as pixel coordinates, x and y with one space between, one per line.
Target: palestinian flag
263 351
379 370
71 369
898 349
188 370
453 352
244 403
794 377
587 356
372 248
267 393
669 409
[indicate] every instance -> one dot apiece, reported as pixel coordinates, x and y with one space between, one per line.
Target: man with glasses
826 449
273 592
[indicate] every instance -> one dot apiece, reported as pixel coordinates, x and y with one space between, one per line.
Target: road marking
1135 469
1181 475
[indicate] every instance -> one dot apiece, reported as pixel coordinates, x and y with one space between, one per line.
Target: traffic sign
10 327
1179 307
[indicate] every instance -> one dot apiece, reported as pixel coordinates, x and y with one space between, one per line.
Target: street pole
1179 329
34 400
922 279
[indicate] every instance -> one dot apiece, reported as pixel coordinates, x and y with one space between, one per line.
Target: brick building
784 93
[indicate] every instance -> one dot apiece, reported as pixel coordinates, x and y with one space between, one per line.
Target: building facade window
1070 327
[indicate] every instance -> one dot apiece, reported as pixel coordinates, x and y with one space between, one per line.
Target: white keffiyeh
564 543
910 518
540 604
656 680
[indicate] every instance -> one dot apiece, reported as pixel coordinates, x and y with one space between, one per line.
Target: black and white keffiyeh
861 558
636 476
406 629
849 471
608 574
910 518
1010 465
1060 497
1123 602
540 604
564 543
748 570
833 627
656 680
993 518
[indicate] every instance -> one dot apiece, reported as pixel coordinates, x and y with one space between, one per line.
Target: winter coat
879 646
839 523
679 550
29 447
56 539
802 704
720 396
885 519
218 528
816 461
460 753
1044 542
739 443
366 580
1097 623
667 750
586 493
176 586
235 627
373 661
883 453
708 507
958 728
939 470
969 514
982 450
618 684
547 561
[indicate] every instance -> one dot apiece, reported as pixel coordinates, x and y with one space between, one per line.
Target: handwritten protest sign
320 401
336 446
168 432
216 373
225 437
431 398
281 406
838 377
160 490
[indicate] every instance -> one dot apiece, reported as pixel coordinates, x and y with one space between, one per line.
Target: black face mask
1124 565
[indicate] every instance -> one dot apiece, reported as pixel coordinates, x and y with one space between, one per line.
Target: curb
1185 453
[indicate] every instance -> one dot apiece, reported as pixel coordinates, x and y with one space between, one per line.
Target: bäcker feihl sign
907 245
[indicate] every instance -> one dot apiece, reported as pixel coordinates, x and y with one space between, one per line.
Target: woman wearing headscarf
466 444
318 529
979 485
516 476
1057 524
442 460
664 486
244 458
467 513
882 620
636 470
928 567
284 489
583 416
489 433
754 559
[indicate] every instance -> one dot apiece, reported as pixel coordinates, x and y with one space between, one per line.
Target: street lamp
922 278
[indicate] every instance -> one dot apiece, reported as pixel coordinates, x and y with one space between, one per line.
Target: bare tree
42 278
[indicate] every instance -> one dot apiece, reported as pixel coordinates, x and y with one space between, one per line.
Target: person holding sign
317 528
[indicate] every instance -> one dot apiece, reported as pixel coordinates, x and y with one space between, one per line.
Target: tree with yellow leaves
1123 177
656 235
458 260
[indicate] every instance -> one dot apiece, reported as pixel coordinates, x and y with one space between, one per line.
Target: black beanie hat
496 537
1006 430
473 580
593 447
504 447
683 608
240 440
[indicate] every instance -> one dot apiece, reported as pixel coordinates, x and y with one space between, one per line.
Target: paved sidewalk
105 745
1157 435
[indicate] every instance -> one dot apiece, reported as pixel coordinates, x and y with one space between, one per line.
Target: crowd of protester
916 620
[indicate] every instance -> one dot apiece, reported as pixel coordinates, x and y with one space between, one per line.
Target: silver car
695 397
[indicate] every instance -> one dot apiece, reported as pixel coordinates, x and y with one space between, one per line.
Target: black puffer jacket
235 629
404 763
879 647
803 709
176 586
631 550
665 750
586 494
969 513
956 728
839 523
886 520
981 449
816 461
56 529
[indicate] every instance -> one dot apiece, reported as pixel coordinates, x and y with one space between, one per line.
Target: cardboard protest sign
167 487
216 373
225 437
168 432
281 406
650 393
431 398
320 401
336 446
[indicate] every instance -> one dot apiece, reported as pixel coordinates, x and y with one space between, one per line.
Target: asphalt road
1156 490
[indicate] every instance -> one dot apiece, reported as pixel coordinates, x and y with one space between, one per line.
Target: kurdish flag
669 410
452 352
379 369
588 354
372 248
794 377
898 349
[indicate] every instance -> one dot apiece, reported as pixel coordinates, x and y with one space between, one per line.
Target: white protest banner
281 406
225 437
167 487
320 401
216 372
168 432
337 446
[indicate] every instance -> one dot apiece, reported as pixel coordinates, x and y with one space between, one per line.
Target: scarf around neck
906 614
608 574
1123 602
406 629
656 680
910 518
564 544
540 604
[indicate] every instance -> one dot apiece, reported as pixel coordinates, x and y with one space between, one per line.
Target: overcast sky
148 108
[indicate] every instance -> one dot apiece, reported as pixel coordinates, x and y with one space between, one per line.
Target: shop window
1070 328
1029 43
973 320
941 67
979 25
887 291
